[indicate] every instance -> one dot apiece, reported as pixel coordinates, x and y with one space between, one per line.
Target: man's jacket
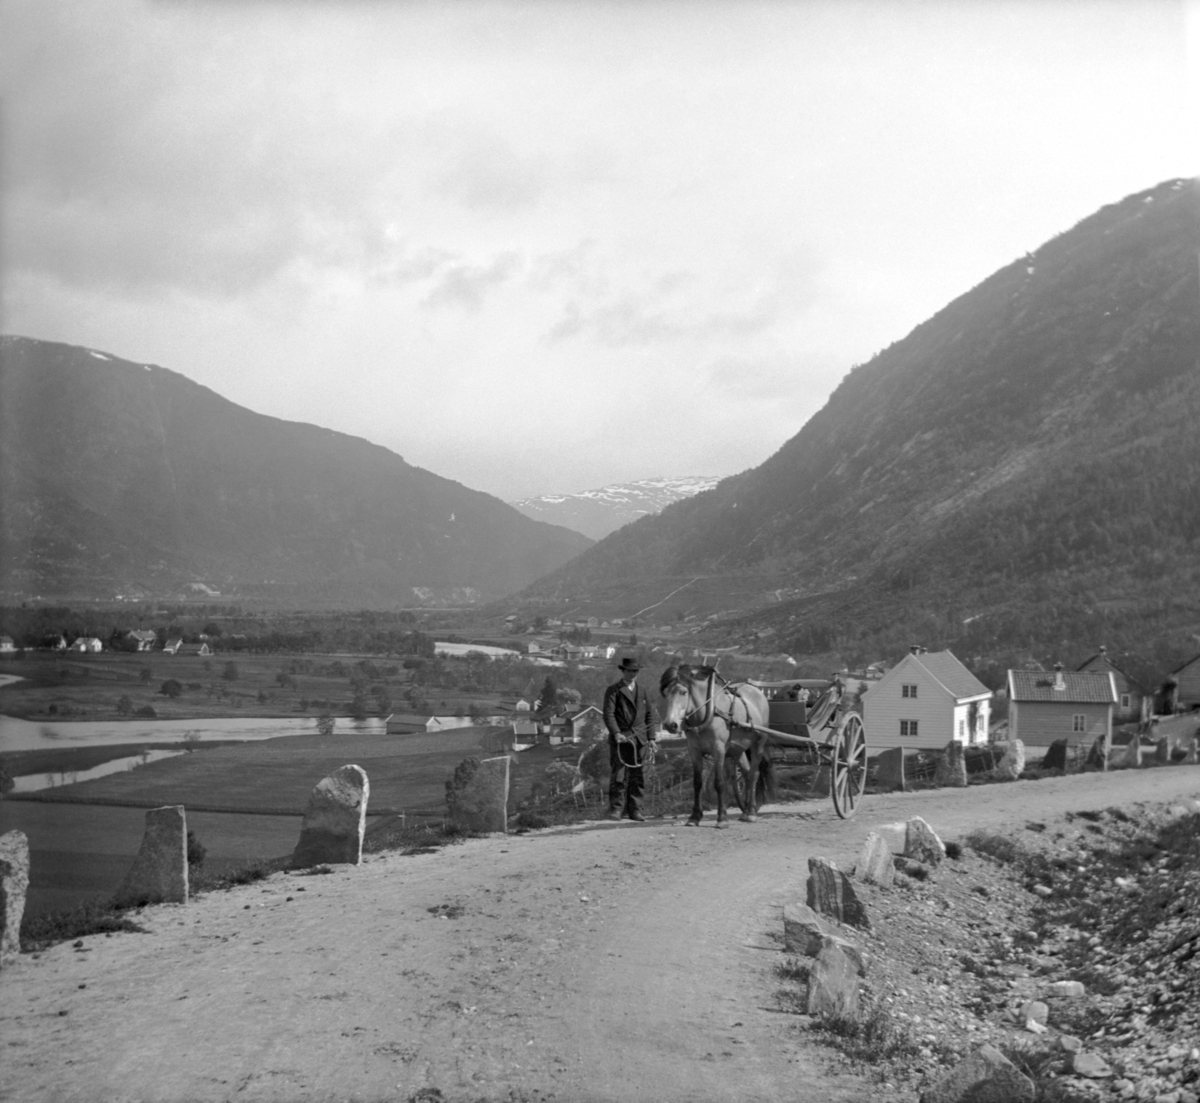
628 712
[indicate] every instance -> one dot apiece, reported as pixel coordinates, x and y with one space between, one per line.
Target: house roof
143 634
1102 657
945 669
1179 669
1082 687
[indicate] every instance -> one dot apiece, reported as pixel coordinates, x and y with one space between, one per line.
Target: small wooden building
1076 705
1134 704
1184 686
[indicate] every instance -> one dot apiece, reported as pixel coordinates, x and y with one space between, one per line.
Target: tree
170 688
548 698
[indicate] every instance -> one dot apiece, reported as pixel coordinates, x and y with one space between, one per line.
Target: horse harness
710 708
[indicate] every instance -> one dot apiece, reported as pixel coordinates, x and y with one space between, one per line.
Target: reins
709 707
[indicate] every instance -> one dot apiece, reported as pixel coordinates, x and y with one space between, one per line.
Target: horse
710 710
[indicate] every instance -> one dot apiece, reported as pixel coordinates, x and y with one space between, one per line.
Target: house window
908 691
1079 722
1124 700
908 727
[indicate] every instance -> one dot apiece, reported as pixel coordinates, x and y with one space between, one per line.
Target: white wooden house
925 701
1076 705
172 646
87 644
142 638
7 647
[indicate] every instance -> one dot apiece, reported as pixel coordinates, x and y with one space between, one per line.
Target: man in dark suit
629 718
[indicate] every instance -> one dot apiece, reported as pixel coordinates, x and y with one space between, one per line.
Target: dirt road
610 962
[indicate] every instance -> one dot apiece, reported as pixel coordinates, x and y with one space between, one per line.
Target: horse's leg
697 755
719 746
750 810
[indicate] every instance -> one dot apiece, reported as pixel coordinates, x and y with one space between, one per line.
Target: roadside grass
873 1039
93 917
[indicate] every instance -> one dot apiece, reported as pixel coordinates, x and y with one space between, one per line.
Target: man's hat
629 665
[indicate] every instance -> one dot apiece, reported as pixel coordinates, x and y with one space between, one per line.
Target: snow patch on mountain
596 513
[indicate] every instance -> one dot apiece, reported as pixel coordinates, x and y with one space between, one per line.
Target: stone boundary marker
334 821
14 881
482 805
160 870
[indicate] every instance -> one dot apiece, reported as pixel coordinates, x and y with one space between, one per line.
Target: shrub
196 850
93 917
170 688
147 712
124 705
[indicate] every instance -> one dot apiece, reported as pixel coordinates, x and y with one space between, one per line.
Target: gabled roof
1080 687
1102 657
1178 669
945 669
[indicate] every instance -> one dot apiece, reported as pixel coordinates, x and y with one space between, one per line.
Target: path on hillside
612 962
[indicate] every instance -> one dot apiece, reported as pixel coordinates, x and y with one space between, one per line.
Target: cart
813 714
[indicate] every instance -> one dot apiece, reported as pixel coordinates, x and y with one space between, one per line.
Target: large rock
1056 756
1193 752
922 844
833 985
14 882
951 769
875 865
894 835
482 806
830 892
1012 761
334 821
1127 756
805 933
986 1076
160 870
1098 755
889 770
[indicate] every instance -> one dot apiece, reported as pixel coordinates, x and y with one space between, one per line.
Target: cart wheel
849 765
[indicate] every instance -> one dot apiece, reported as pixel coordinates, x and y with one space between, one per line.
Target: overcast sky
541 247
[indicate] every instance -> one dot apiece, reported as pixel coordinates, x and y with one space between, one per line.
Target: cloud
465 285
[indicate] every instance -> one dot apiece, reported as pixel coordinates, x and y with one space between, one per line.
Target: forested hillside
129 478
1022 466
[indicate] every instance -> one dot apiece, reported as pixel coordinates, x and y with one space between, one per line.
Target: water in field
35 735
31 783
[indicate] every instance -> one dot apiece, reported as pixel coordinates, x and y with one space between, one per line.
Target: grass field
407 773
80 853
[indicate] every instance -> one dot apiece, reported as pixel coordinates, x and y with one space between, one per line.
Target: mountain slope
598 513
116 475
1042 426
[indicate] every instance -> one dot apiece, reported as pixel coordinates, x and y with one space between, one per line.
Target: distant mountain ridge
1026 460
597 513
124 477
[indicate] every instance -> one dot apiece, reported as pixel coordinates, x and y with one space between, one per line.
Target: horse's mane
684 675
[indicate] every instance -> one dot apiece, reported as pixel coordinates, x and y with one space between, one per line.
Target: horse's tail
767 788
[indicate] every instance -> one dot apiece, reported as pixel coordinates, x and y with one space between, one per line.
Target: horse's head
683 696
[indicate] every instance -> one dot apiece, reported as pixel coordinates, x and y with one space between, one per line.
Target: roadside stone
1012 762
1193 753
334 821
14 883
922 844
803 930
482 806
830 892
160 871
1090 1065
894 836
951 769
986 1076
889 770
875 865
1068 989
1034 1011
1056 755
1162 751
1098 755
1068 1043
833 985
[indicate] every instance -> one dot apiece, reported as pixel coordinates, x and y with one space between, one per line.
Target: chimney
1103 650
915 649
1059 681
